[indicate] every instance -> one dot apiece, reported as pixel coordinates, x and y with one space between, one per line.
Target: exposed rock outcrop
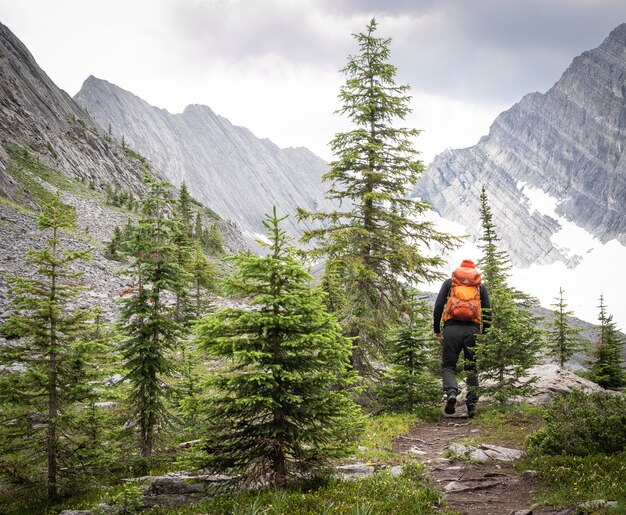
568 142
36 114
228 168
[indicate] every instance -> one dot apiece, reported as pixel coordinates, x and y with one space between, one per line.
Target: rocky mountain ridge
48 143
568 142
224 166
36 114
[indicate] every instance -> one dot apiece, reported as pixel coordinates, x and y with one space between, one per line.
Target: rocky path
493 487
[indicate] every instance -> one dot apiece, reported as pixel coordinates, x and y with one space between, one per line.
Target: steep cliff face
568 142
229 169
36 114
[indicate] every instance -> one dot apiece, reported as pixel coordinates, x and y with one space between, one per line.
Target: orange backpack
464 300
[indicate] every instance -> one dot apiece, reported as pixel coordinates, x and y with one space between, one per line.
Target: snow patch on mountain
594 274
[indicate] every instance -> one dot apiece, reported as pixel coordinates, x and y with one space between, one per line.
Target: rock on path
489 487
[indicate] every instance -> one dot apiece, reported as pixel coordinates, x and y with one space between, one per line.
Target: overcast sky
273 65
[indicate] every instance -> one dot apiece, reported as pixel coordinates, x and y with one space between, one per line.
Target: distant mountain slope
235 173
568 142
49 144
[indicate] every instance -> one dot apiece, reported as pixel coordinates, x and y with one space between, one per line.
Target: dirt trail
493 488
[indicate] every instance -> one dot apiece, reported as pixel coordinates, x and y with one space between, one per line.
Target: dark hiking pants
457 338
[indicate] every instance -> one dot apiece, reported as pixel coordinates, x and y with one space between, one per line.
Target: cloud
483 50
273 65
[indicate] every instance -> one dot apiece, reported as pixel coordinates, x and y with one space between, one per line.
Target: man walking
460 305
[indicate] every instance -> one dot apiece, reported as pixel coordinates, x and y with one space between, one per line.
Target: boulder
483 453
354 471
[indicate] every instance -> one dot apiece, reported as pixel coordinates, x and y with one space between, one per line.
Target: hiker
460 303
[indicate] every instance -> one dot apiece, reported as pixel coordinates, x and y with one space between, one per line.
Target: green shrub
128 501
582 424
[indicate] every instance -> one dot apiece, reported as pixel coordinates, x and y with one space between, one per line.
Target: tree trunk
51 443
52 429
280 473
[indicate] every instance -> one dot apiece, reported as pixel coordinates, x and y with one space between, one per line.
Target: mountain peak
237 174
568 143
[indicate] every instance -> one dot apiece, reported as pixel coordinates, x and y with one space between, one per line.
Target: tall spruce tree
562 339
279 402
607 367
148 325
411 354
381 235
203 278
45 367
182 239
185 211
511 345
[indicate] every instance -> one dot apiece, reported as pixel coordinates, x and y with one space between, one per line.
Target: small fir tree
511 345
114 248
149 329
45 364
185 212
182 239
562 339
212 240
607 367
381 236
280 403
411 355
203 276
197 227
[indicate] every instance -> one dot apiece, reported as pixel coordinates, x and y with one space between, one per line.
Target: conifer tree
280 402
411 355
182 239
113 250
203 276
197 230
214 240
45 371
607 367
562 339
147 323
185 210
511 345
381 236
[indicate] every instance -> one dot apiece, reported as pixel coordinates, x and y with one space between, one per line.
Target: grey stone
597 504
483 452
354 471
395 471
568 142
454 486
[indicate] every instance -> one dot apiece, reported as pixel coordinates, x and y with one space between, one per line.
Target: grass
136 155
580 453
408 493
380 494
380 431
508 426
30 171
568 480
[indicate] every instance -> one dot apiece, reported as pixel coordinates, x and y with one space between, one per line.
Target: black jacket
440 303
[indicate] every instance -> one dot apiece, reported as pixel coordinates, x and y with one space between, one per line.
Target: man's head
468 263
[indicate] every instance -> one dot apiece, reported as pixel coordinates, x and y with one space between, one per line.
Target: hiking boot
450 403
471 411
